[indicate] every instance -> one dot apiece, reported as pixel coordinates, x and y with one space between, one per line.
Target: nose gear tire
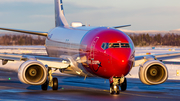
124 85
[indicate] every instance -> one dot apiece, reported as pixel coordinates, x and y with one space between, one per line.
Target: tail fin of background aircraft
60 19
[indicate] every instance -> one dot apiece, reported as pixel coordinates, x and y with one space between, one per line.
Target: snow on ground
23 49
158 50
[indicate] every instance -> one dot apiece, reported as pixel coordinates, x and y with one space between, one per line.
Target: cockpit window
115 45
124 45
105 46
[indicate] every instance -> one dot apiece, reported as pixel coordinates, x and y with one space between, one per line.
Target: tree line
169 39
138 39
21 40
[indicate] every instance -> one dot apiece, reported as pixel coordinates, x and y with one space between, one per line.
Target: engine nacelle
153 72
32 72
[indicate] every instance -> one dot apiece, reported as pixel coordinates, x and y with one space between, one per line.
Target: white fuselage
65 43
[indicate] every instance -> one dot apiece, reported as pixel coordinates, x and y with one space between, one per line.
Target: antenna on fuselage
60 19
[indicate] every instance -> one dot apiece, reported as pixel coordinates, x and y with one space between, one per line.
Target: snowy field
158 50
23 49
173 69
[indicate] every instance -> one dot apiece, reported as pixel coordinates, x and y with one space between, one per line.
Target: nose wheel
114 89
124 85
115 83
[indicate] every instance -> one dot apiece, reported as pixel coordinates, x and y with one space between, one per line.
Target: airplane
86 51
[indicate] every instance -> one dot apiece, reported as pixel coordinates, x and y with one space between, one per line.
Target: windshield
115 45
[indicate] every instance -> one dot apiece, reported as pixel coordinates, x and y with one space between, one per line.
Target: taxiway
96 89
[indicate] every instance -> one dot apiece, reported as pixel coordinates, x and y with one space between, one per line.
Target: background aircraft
86 51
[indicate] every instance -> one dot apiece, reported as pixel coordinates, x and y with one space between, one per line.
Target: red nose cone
104 60
121 62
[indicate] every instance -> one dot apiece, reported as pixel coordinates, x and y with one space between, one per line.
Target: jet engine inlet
32 72
153 72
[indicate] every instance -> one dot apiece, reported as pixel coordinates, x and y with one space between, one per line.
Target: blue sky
141 14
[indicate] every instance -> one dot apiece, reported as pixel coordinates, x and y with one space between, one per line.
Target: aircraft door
93 54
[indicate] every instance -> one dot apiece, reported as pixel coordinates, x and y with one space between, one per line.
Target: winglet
60 19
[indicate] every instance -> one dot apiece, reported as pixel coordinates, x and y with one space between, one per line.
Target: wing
152 68
57 63
25 31
140 60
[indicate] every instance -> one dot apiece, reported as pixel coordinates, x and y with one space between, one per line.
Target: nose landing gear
114 89
115 83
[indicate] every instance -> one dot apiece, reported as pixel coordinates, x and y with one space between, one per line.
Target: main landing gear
115 83
52 82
